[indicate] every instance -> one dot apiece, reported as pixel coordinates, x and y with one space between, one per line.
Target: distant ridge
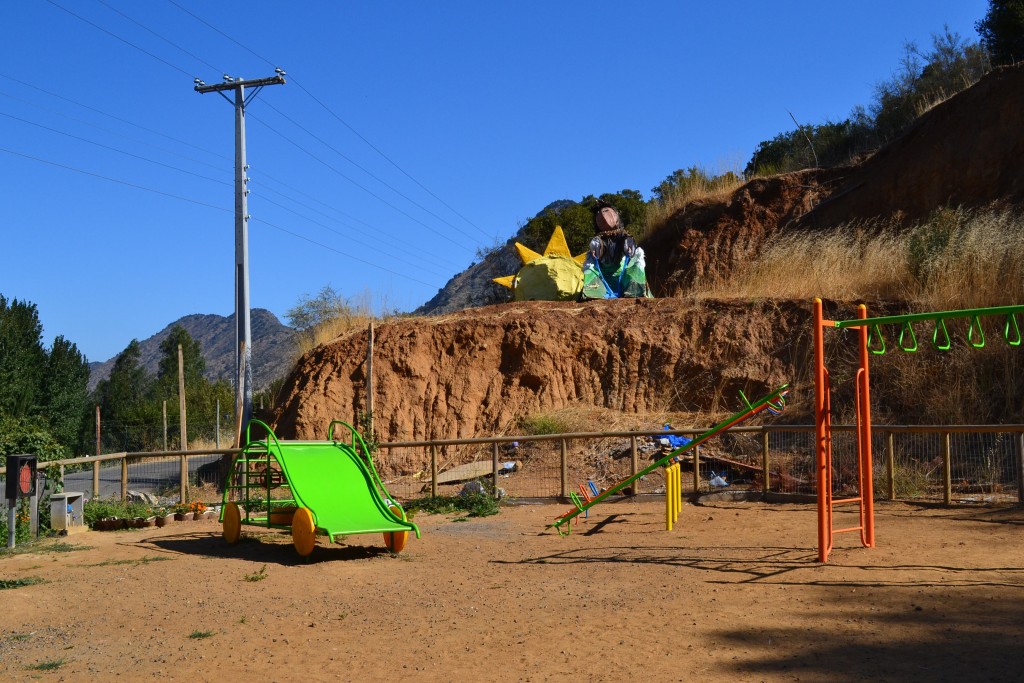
273 347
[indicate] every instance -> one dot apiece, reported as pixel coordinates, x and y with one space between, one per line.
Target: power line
92 142
210 206
114 149
166 40
342 253
110 131
114 35
332 113
367 172
113 180
361 187
113 116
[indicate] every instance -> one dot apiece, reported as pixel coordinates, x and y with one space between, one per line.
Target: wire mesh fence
953 464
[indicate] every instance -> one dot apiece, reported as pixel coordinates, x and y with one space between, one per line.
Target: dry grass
356 314
957 259
714 189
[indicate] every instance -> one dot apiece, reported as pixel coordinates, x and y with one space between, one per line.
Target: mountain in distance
273 343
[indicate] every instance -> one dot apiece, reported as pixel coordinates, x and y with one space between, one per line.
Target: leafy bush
482 504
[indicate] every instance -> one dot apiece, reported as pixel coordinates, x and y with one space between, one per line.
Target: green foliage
22 532
1002 31
924 78
43 391
257 576
124 396
49 665
310 312
65 392
831 144
538 425
473 504
199 635
192 361
8 584
577 220
29 435
98 508
930 240
22 357
687 181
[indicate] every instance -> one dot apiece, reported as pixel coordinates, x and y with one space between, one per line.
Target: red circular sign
25 479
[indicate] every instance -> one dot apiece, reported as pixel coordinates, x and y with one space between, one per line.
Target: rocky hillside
474 371
273 347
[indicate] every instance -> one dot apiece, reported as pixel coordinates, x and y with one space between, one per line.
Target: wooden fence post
433 471
494 467
764 463
634 463
890 464
947 468
124 479
565 470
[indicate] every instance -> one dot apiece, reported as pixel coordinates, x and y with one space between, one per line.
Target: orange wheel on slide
303 532
395 540
232 523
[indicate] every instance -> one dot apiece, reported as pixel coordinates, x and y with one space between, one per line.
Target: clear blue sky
410 134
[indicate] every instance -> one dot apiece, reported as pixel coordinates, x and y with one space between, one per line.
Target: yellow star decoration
557 246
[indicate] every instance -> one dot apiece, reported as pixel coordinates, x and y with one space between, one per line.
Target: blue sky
409 135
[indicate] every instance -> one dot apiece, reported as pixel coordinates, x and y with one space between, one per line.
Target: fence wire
983 467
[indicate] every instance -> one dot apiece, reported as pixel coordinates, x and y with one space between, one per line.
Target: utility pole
243 337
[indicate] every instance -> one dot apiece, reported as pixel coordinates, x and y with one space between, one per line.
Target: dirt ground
734 593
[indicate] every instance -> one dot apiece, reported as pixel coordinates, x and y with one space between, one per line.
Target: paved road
159 478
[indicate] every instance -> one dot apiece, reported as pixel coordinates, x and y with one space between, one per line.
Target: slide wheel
232 523
303 532
395 540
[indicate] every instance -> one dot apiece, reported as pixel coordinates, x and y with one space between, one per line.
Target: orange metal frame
823 439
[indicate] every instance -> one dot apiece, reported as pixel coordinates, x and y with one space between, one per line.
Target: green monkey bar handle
940 324
911 345
875 333
976 325
1011 321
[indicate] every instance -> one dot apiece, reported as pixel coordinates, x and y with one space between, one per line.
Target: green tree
1002 31
125 400
311 312
22 357
192 360
29 435
577 220
65 393
926 77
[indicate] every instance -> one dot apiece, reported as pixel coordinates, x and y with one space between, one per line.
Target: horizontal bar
937 315
852 528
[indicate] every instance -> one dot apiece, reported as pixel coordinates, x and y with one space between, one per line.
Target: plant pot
149 522
182 516
164 520
196 516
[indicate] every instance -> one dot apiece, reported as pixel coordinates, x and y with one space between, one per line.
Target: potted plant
163 517
198 509
182 512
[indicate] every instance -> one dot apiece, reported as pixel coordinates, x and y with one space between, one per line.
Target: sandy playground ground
734 593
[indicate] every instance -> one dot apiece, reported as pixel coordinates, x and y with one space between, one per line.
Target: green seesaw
774 402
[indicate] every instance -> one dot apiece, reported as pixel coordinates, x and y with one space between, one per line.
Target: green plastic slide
332 481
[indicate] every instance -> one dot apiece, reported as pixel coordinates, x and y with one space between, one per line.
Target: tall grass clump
957 258
687 187
968 259
328 315
851 262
